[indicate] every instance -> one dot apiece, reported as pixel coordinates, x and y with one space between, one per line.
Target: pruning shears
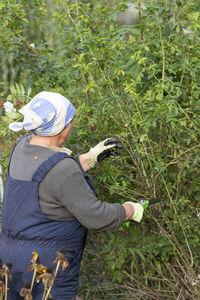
145 204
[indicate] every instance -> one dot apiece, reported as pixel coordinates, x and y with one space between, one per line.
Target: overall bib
26 229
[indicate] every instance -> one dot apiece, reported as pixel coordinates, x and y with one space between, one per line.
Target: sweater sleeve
68 185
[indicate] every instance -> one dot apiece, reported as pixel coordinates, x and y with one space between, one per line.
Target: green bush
139 82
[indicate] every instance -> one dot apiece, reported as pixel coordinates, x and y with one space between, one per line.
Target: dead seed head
41 270
23 292
27 285
63 250
49 270
60 256
35 259
26 291
48 277
5 271
9 265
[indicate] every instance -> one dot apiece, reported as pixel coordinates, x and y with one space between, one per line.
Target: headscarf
46 114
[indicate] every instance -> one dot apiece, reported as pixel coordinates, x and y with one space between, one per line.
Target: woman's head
47 114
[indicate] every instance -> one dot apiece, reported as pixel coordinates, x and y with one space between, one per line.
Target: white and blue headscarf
46 114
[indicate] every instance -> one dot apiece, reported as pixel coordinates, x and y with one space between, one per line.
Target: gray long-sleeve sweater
64 193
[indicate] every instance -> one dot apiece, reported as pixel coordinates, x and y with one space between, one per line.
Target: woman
49 201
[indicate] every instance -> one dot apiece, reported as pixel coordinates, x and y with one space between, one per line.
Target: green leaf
13 115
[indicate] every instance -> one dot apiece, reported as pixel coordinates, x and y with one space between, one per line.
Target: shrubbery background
140 83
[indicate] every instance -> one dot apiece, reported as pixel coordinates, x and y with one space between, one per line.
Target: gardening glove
106 148
138 208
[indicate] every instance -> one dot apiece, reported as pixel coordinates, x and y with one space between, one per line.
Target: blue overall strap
46 166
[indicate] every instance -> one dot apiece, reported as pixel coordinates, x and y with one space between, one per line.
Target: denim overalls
26 229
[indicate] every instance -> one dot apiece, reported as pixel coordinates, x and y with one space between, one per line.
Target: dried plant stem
153 295
45 289
33 279
1 291
55 274
188 266
6 285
